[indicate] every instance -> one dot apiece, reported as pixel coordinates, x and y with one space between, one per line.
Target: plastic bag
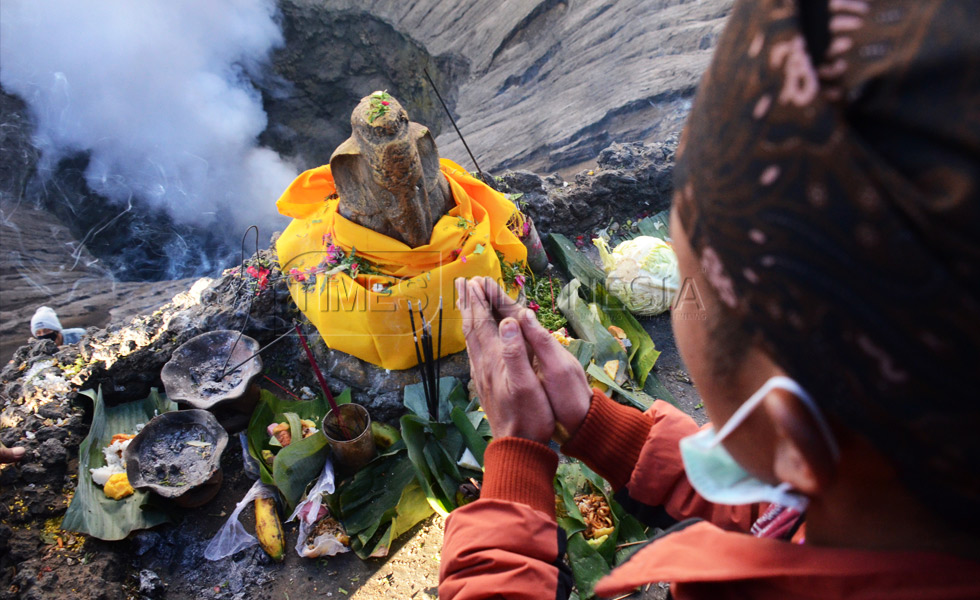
310 511
232 537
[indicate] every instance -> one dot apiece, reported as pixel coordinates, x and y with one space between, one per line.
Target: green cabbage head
642 273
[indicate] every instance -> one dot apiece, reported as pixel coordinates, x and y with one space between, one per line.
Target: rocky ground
544 87
43 412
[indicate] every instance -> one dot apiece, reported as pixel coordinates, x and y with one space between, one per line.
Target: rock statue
387 173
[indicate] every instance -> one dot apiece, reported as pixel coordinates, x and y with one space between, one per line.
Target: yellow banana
268 528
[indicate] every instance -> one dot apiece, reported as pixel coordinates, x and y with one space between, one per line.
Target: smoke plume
159 94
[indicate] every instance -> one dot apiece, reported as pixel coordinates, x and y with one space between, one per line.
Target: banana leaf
435 447
587 323
582 350
91 512
451 394
641 402
643 353
657 226
576 264
592 560
300 462
380 503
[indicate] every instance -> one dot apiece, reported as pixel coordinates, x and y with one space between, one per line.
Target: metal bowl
191 376
178 456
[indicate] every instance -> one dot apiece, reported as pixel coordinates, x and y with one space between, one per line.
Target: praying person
45 325
827 210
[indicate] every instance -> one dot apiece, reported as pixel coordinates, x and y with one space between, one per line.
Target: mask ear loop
784 383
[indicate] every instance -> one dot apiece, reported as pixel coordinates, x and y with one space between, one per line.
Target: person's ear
801 455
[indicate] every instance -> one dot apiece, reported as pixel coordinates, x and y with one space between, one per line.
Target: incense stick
439 351
418 356
323 384
257 352
433 400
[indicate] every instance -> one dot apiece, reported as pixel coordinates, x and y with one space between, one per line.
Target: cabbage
642 273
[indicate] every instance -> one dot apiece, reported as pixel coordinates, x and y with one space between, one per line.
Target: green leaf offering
591 559
643 353
91 512
435 448
380 503
299 463
640 402
587 323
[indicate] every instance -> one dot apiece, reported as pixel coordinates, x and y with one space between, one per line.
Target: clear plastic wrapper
232 537
313 516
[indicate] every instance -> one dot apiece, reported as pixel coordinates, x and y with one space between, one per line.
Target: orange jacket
507 544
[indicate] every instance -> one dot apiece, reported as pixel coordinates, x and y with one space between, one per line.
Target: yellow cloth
374 326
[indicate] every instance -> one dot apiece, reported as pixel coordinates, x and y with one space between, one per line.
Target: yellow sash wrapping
374 325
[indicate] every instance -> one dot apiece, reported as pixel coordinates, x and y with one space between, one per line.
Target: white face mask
718 478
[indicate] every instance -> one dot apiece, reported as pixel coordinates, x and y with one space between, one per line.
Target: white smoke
158 92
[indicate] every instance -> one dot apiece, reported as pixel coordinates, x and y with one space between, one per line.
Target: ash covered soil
168 561
43 412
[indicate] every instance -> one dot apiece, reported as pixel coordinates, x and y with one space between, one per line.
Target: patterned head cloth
829 181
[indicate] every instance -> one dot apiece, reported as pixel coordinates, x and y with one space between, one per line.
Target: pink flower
519 281
534 305
527 228
384 103
261 273
297 275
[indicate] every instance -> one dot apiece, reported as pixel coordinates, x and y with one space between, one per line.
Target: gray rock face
630 180
549 83
333 56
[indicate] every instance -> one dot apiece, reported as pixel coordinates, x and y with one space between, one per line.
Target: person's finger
520 373
462 303
10 455
483 325
503 304
544 345
554 362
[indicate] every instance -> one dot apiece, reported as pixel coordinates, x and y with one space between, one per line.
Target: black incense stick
418 355
439 351
430 371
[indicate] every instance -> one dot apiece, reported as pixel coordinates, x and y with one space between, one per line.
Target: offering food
323 536
117 487
596 514
282 433
562 336
114 469
268 528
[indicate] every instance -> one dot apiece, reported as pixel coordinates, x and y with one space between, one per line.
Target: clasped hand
529 385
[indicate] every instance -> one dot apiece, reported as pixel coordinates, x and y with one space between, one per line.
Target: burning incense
323 384
226 372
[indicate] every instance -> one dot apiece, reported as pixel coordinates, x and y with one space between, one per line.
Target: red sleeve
506 544
640 451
